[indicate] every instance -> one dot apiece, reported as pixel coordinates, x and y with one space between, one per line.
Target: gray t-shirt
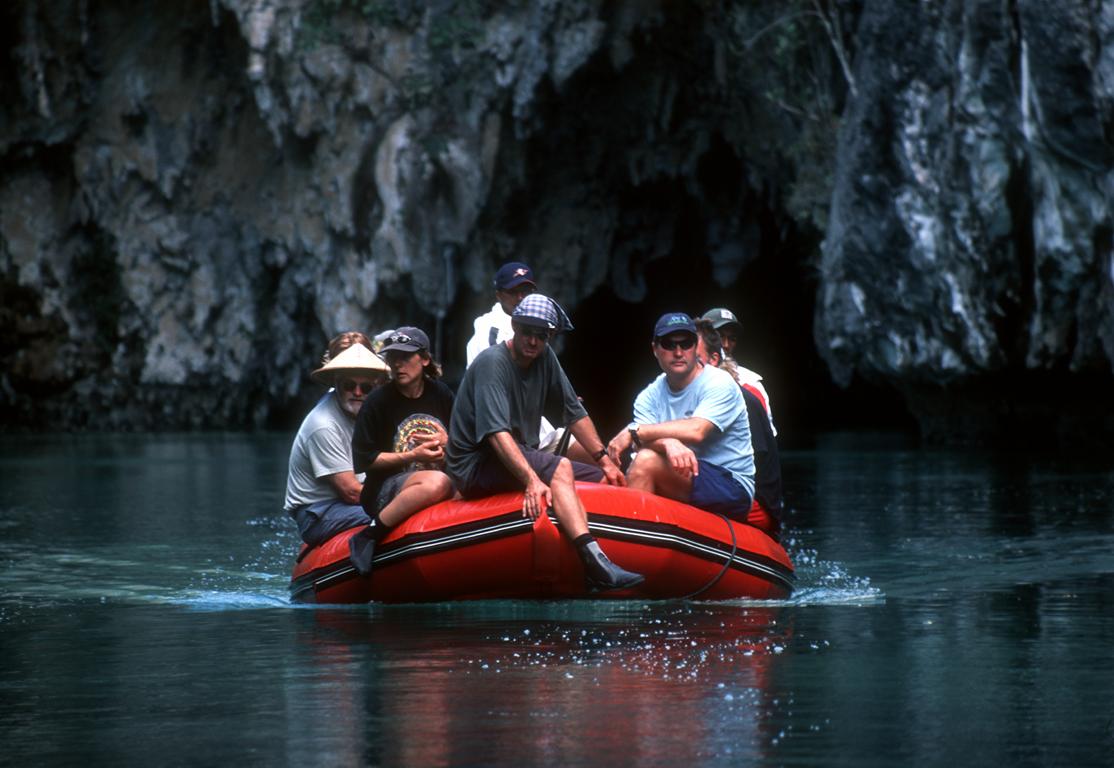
498 396
322 447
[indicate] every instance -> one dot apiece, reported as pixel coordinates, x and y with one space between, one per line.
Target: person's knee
442 486
644 466
433 484
563 474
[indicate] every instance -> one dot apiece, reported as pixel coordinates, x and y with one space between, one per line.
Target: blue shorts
319 522
716 490
493 477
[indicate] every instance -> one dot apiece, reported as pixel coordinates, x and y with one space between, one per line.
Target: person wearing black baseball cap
728 326
766 509
494 442
690 431
399 441
730 331
513 282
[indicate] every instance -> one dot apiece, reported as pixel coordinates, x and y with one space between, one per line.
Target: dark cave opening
608 356
600 124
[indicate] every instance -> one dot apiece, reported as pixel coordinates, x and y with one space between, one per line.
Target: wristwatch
634 439
599 455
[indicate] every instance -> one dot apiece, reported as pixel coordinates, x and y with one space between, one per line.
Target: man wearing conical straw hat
322 491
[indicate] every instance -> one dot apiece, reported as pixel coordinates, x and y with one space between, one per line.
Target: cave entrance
608 357
699 224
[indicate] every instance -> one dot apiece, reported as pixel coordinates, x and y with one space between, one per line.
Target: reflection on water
513 684
950 609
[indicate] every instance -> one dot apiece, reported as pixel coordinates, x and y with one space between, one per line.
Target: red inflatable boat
486 549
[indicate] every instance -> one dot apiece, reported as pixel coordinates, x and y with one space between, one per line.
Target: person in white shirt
730 330
513 282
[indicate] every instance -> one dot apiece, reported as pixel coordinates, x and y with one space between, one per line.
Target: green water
953 609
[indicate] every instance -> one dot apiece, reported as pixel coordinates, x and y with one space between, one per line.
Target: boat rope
726 565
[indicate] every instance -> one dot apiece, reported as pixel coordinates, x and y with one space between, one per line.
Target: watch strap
634 438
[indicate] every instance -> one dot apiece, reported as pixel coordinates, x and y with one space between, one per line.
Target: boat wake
824 582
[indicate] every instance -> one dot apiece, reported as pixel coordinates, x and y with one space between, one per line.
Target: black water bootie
602 575
361 550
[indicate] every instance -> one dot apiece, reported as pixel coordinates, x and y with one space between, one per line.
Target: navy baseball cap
513 274
673 322
406 339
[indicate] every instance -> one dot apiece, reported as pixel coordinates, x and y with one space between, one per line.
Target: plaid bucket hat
541 312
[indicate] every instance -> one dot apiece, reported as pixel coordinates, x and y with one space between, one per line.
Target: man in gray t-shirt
493 435
322 490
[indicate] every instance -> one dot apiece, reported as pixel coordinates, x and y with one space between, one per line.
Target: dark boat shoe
361 551
602 575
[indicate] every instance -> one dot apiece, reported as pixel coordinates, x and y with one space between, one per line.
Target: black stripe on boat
413 545
676 538
513 523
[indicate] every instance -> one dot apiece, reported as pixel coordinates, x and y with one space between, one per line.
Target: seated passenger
493 445
322 491
399 441
730 331
513 282
690 429
766 511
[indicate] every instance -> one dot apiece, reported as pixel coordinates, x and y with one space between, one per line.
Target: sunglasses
533 333
669 345
402 338
359 387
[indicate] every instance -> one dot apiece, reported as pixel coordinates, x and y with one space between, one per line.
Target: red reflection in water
420 688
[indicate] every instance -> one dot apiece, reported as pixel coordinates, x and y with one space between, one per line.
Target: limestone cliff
194 197
970 234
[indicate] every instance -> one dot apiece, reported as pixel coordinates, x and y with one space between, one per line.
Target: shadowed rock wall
194 197
970 236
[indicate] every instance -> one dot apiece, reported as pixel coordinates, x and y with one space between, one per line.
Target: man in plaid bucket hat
493 435
513 282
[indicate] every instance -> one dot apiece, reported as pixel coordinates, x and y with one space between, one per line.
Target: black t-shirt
384 423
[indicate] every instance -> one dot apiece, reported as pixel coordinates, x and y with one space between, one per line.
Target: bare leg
566 504
651 472
578 452
600 574
422 489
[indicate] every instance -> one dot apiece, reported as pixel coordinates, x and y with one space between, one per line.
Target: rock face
194 198
971 221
